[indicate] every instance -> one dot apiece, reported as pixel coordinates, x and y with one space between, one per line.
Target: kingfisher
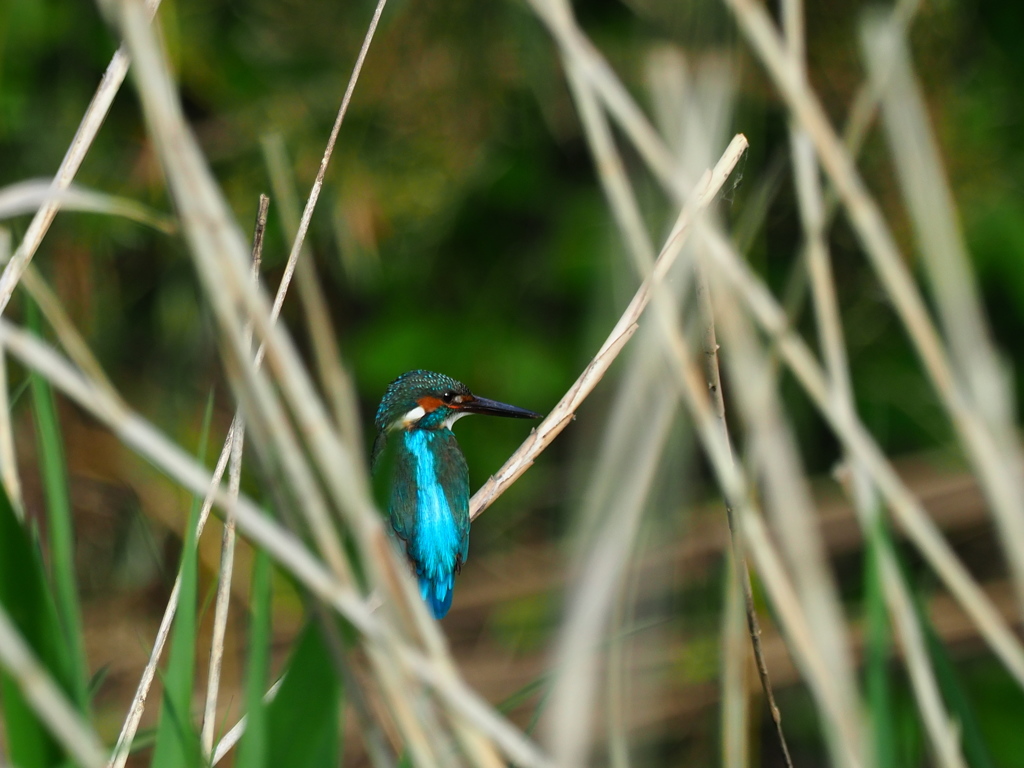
416 453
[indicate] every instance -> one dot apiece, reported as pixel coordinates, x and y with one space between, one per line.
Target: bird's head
423 399
428 400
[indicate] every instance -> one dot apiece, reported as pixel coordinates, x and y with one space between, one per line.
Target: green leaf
252 752
177 743
953 692
24 593
303 721
60 527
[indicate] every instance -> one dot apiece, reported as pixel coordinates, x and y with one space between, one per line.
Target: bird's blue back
429 509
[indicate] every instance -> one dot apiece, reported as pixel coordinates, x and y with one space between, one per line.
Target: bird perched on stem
417 455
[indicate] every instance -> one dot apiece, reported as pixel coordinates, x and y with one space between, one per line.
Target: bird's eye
448 396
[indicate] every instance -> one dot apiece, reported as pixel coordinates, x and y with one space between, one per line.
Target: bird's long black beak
494 408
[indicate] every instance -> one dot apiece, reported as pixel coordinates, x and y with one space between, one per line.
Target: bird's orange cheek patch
429 404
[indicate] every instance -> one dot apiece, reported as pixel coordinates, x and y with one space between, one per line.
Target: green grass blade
252 752
877 646
60 527
24 592
177 743
303 720
953 692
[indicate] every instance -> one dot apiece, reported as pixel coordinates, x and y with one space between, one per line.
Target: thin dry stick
93 118
227 552
336 382
564 411
223 600
712 375
46 697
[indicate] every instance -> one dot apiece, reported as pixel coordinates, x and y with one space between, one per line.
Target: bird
423 475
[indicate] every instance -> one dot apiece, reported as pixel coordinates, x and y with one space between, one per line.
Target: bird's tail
437 592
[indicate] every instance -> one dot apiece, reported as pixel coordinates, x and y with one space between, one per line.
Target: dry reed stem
564 412
337 384
47 699
1000 479
93 118
314 194
222 603
933 214
227 556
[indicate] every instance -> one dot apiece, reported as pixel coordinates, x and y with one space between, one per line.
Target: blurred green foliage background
461 227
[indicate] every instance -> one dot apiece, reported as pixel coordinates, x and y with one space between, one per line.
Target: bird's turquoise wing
454 476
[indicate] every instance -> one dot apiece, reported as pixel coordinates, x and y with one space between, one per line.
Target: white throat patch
456 415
